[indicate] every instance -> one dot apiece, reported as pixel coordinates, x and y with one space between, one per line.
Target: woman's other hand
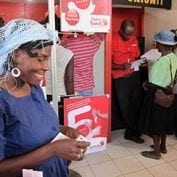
69 149
145 85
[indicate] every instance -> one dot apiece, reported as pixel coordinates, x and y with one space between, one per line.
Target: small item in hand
81 138
31 173
163 99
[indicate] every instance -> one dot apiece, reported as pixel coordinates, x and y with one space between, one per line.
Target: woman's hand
70 132
145 85
69 149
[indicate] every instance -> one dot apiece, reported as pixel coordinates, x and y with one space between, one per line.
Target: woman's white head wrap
20 31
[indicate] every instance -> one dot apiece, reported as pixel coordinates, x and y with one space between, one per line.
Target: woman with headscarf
28 124
156 120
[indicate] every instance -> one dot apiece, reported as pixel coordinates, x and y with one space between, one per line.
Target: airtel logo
72 17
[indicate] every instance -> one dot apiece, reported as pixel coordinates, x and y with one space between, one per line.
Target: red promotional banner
85 15
89 115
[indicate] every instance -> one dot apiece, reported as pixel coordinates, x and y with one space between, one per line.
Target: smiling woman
17 51
36 62
28 124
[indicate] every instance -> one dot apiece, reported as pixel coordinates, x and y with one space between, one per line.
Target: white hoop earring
15 72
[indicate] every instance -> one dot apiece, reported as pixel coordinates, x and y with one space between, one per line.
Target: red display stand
89 115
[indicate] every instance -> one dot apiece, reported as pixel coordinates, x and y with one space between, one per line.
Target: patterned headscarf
20 31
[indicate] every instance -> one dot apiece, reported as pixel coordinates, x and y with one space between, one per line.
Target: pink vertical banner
89 115
85 15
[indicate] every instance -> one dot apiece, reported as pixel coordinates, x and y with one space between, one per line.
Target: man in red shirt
127 81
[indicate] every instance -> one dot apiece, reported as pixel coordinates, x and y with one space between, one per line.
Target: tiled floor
122 159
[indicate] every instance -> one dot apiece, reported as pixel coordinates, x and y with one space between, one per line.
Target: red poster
89 115
85 15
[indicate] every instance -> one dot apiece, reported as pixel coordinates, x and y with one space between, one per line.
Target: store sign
166 4
85 15
89 115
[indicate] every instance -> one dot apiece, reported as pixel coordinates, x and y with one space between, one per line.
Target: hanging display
85 15
89 115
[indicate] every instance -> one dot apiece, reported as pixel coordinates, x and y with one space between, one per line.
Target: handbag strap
172 80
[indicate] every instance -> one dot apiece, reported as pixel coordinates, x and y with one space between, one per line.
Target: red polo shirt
123 51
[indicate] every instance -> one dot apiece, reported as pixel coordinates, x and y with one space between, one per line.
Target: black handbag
165 99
